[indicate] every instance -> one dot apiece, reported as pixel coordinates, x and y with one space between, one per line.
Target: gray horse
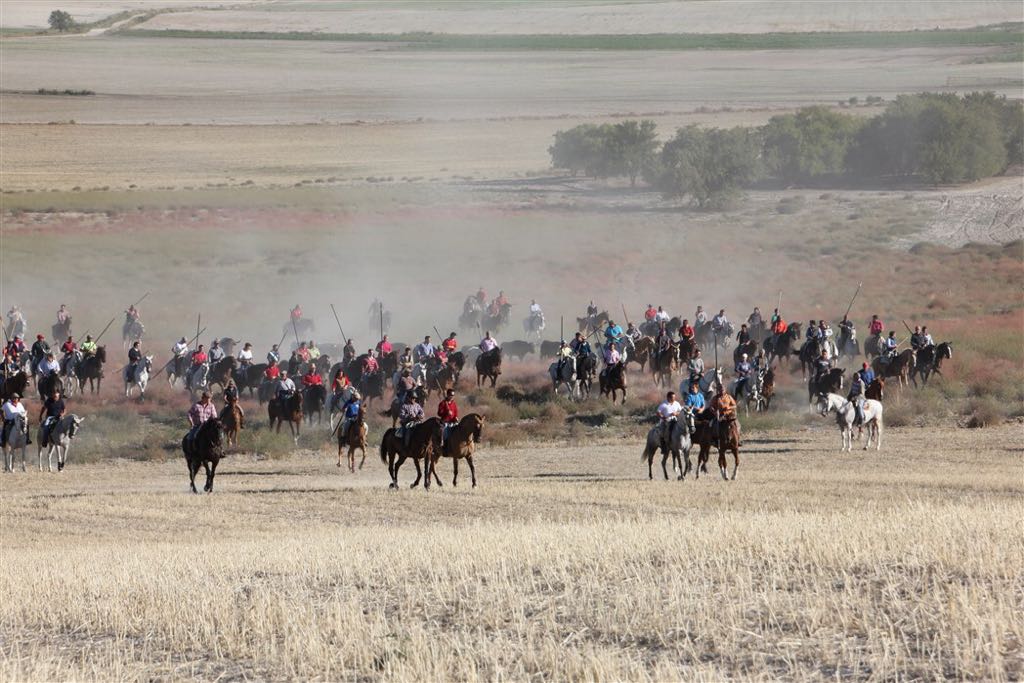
17 438
678 442
566 376
59 441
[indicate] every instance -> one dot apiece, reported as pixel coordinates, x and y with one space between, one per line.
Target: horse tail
383 451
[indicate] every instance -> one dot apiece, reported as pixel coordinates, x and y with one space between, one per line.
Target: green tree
580 149
709 165
959 144
813 142
61 20
631 148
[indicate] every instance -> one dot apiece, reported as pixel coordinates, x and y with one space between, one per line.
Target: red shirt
780 326
199 358
449 345
650 313
383 347
340 383
303 354
448 411
876 327
273 372
69 347
312 379
370 365
686 331
296 313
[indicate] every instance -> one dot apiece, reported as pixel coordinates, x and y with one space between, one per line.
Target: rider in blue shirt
613 332
694 399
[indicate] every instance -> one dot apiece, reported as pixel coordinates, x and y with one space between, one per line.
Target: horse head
101 354
74 424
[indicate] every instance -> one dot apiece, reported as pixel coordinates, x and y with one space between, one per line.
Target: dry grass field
566 563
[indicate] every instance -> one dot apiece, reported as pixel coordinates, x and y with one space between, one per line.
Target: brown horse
15 384
444 379
233 420
613 380
768 387
460 443
641 352
901 367
728 440
703 438
424 439
664 364
355 439
286 410
875 390
488 366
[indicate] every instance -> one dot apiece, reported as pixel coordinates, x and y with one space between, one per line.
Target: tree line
935 138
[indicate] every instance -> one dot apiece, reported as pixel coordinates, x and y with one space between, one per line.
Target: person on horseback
180 348
131 315
48 365
743 336
63 314
755 319
488 343
580 346
719 323
536 314
847 332
404 385
13 408
743 370
314 352
812 331
134 356
650 313
695 366
302 353
312 378
409 415
68 348
481 296
353 406
700 317
405 360
926 337
723 407
613 333
384 346
272 373
348 352
686 331
611 357
668 413
285 387
450 344
564 353
274 355
760 361
875 327
339 385
632 333
867 375
370 364
424 350
917 339
663 342
502 300
662 316
591 310
779 327
200 412
821 366
296 314
856 395
50 414
199 357
88 347
245 357
695 400
10 366
216 353
39 350
16 347
890 346
448 413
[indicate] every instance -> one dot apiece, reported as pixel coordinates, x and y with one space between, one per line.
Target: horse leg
40 455
340 447
649 455
419 472
351 458
721 461
664 461
472 469
455 470
193 469
363 461
735 459
686 457
210 473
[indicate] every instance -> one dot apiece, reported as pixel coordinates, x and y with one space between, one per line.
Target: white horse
846 414
139 378
419 374
678 444
335 405
16 438
59 440
534 326
198 378
567 377
68 373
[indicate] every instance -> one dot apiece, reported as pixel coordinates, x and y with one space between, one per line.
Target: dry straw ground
565 563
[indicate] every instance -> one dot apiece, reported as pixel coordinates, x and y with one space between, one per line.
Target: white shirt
46 367
928 341
286 385
244 355
12 411
180 349
891 342
669 410
488 344
535 309
662 317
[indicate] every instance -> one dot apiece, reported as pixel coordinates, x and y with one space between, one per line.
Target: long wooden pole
381 311
199 319
850 307
344 339
140 300
97 339
295 329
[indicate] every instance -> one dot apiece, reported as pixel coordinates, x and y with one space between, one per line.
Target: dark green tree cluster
939 138
61 21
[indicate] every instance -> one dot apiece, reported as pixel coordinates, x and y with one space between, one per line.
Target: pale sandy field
34 14
578 17
566 563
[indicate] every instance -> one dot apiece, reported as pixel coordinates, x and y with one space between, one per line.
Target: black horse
830 383
205 450
15 384
781 346
91 368
313 398
586 367
47 384
249 377
929 360
371 386
61 331
222 371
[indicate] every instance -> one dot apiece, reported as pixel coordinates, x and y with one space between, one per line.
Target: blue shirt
695 401
613 332
352 409
867 375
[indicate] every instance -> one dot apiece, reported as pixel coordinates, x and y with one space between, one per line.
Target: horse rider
370 364
39 350
662 342
761 361
314 352
68 348
668 413
274 355
180 348
700 318
926 337
579 345
611 357
501 301
755 319
201 412
564 354
875 327
88 347
10 367
867 375
16 347
650 313
272 373
812 331
424 350
695 366
384 346
695 400
535 310
349 352
719 322
488 343
591 310
743 370
917 339
63 314
633 333
131 315
351 410
13 408
822 365
245 357
890 345
686 331
376 308
743 336
405 360
613 333
779 327
50 414
481 296
312 378
404 385
723 407
661 316
339 385
134 356
48 365
296 314
847 331
302 353
199 357
231 392
409 415
448 413
285 387
450 345
856 396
